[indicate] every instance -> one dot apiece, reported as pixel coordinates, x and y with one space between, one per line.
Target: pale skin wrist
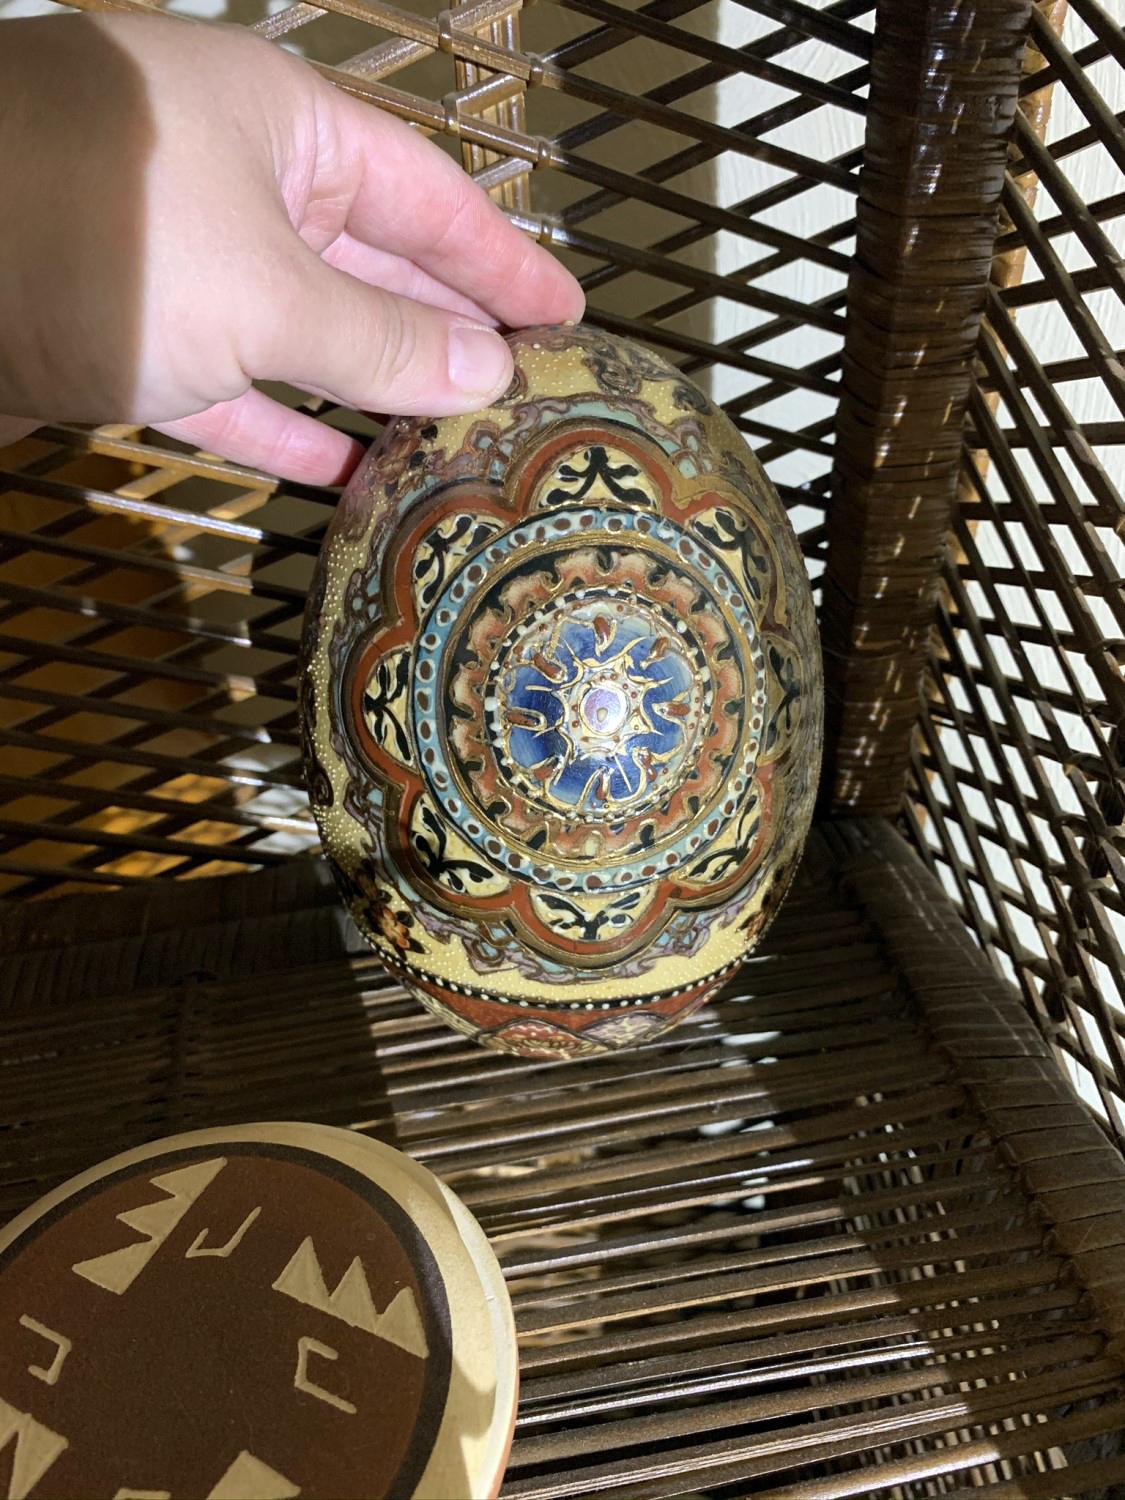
190 210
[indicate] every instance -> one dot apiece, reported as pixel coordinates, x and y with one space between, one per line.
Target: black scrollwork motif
589 928
784 669
386 688
598 466
431 843
730 533
431 565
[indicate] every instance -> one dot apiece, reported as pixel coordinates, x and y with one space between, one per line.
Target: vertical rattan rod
514 193
944 89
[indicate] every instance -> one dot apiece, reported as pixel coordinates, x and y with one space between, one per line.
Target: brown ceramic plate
253 1313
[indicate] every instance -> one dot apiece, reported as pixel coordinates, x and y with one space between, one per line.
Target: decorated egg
561 701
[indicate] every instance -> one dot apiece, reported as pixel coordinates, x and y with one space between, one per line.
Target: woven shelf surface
847 1233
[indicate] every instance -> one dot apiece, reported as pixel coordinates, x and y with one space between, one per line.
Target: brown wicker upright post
944 88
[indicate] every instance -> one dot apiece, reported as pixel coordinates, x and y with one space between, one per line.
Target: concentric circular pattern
539 784
595 705
563 709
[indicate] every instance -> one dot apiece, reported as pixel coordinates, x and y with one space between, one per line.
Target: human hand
188 209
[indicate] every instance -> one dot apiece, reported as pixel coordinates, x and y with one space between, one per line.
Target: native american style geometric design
253 1313
562 705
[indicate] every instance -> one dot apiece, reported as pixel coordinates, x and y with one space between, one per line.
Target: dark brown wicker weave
859 1228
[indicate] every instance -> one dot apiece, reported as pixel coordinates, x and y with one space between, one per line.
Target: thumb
376 351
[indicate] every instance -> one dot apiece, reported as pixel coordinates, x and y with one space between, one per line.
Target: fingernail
480 363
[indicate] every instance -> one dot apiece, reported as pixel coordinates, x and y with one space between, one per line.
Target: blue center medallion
598 706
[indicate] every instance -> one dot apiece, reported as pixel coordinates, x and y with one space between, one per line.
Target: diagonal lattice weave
150 599
1016 788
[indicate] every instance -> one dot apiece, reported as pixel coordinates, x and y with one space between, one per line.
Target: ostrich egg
561 701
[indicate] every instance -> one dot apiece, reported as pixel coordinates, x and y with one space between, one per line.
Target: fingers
394 274
376 351
261 433
412 200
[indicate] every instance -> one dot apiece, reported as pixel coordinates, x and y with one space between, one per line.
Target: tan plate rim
482 1327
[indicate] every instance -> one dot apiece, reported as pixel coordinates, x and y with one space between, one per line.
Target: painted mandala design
565 707
596 709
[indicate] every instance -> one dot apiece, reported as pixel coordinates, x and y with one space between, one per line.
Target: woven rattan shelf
859 1228
847 1232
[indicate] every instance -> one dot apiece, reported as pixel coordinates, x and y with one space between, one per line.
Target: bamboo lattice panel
672 153
846 1234
1016 794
